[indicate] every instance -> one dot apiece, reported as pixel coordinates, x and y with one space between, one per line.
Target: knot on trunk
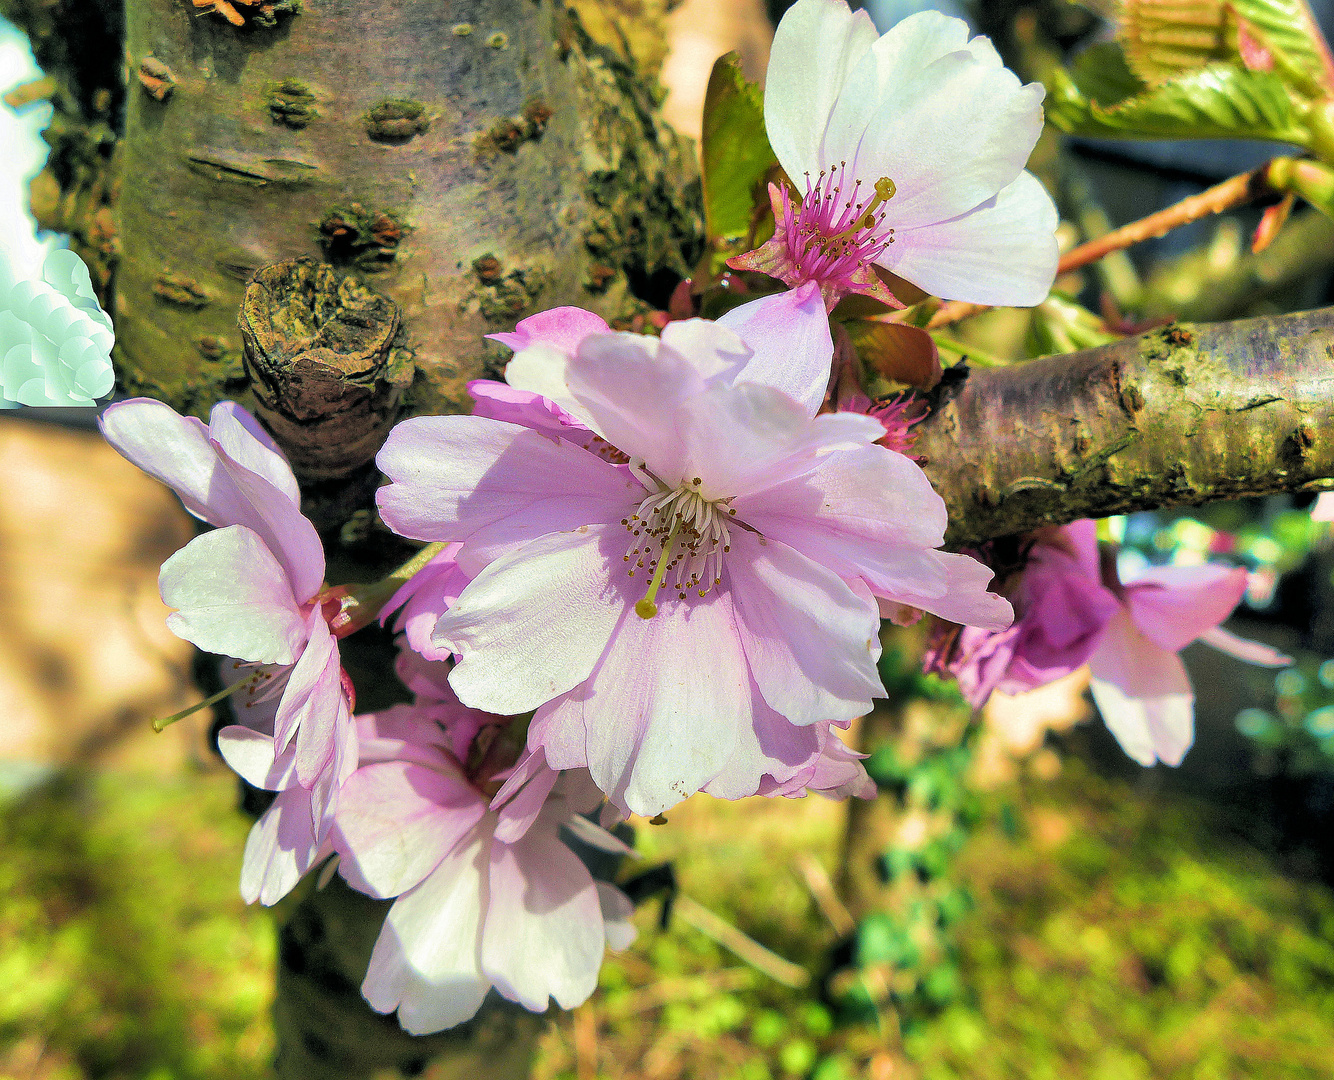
319 354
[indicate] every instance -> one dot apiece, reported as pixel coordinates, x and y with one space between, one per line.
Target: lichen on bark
1182 415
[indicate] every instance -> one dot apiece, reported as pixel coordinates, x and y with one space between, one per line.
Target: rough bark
474 160
319 354
1180 416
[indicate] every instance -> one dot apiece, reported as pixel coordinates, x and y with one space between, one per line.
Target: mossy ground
1114 936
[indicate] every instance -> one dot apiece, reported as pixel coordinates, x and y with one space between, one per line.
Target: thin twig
1231 193
747 948
826 899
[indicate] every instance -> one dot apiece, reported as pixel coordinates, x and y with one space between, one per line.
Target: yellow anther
884 191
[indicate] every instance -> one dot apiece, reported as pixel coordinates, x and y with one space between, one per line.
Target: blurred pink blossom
1073 610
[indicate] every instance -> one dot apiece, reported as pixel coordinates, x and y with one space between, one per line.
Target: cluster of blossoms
656 565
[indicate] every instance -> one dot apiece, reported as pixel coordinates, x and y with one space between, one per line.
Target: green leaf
735 153
1061 325
1220 102
1163 39
1102 74
1287 29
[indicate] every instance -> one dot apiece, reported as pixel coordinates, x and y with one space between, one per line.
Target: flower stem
353 607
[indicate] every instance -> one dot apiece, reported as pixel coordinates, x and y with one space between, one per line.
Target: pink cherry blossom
250 590
1073 610
908 153
686 599
487 893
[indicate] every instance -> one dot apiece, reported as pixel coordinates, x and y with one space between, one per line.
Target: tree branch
1180 416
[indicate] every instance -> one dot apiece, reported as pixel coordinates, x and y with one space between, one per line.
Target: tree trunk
474 160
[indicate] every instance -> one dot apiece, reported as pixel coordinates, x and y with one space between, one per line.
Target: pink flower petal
403 733
650 726
1142 691
840 774
812 642
769 437
769 746
231 476
1252 652
561 328
714 349
174 449
1002 252
1173 605
397 821
521 798
543 936
533 623
311 698
493 484
793 350
272 503
233 598
499 401
426 961
852 512
631 386
282 846
241 437
424 598
966 599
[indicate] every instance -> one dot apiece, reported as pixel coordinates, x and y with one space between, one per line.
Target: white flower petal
231 597
1002 252
950 136
816 45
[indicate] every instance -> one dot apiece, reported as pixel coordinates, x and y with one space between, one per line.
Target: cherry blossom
251 590
687 586
908 153
1074 610
487 893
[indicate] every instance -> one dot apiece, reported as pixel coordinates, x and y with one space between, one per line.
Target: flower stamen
678 529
